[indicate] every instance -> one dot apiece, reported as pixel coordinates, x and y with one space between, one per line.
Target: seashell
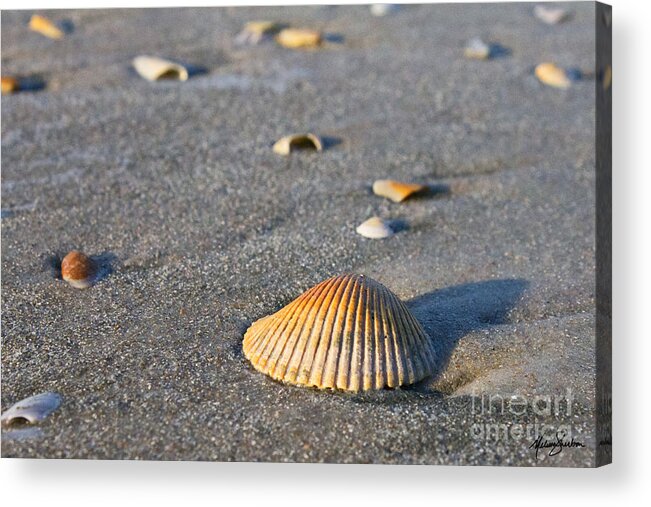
45 27
551 75
9 85
78 270
153 68
379 10
477 49
374 228
255 32
33 409
607 77
550 15
348 332
285 145
299 38
395 190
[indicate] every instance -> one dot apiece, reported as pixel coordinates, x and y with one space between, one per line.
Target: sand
175 188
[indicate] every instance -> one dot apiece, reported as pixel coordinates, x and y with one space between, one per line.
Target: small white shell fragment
33 409
380 10
285 145
550 15
374 228
299 38
153 68
477 49
256 32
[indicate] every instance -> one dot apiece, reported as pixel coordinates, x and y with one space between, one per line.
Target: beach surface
202 229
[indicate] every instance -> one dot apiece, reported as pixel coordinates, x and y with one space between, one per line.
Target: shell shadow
449 314
330 142
31 84
496 50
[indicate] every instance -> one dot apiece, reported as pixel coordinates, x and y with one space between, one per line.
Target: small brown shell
552 75
9 85
294 38
78 270
396 190
45 27
286 145
348 332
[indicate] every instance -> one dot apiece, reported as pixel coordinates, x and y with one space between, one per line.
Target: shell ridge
380 370
355 364
285 355
393 340
413 343
315 360
429 358
332 352
296 357
400 342
346 345
367 349
269 343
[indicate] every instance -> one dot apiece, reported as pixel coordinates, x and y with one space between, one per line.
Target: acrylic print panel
344 234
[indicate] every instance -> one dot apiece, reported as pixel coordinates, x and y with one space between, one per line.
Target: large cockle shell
552 75
285 145
294 38
78 270
9 85
45 27
153 68
374 228
33 409
348 332
396 190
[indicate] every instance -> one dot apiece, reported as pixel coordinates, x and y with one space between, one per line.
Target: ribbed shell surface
349 332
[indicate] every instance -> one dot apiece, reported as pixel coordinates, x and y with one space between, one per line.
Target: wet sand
175 189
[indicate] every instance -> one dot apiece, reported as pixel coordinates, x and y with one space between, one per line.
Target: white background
627 481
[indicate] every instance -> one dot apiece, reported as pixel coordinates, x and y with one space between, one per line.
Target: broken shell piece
374 228
395 190
45 27
153 68
285 145
348 332
33 409
255 32
552 75
9 85
477 49
78 270
299 38
379 10
607 77
550 15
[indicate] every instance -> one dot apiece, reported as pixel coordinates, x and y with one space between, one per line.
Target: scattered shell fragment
45 27
607 77
348 332
395 190
9 85
78 270
374 228
33 409
550 15
477 49
255 32
294 38
552 75
286 145
380 10
153 68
